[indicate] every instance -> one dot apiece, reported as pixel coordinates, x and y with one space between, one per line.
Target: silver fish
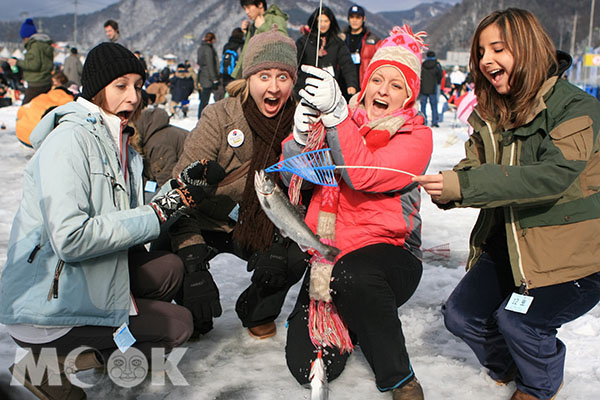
286 217
318 380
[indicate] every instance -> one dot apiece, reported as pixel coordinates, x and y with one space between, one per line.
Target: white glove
323 93
303 117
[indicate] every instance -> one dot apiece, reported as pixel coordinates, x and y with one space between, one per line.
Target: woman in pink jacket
372 217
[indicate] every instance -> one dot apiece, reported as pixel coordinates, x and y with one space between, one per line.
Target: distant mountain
152 28
454 29
419 17
149 26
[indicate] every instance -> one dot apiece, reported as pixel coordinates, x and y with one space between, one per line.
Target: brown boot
518 395
411 391
509 377
263 331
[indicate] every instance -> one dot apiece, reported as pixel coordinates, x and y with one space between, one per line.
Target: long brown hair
534 57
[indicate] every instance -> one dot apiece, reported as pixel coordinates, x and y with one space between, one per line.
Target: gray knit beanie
105 63
270 50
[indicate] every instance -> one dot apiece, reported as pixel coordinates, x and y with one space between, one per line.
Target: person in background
361 42
73 67
138 54
208 72
38 63
160 145
229 59
532 166
111 29
82 220
457 80
431 77
261 19
243 133
372 217
59 79
333 54
182 86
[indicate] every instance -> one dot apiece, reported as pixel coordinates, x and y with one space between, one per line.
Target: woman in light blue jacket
76 270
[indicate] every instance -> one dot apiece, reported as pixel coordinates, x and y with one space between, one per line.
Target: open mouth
380 105
496 75
124 115
272 104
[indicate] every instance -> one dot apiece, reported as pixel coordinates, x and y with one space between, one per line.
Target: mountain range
153 28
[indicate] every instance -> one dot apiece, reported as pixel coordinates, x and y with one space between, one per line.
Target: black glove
200 293
270 268
176 199
202 173
215 85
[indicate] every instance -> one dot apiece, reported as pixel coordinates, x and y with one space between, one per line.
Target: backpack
228 61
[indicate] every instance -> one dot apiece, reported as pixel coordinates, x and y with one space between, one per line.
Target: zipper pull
33 253
522 288
54 287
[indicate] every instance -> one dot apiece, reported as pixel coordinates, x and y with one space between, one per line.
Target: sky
34 8
227 364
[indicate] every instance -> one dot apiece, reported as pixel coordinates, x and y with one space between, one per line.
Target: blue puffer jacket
67 259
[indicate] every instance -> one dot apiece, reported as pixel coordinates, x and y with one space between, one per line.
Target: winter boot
263 331
411 391
518 395
47 388
509 377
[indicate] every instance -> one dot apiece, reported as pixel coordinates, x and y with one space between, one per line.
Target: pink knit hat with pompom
402 49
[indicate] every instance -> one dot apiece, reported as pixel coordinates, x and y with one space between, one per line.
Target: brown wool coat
208 140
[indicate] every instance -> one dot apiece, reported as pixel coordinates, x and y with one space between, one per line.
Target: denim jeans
433 102
502 339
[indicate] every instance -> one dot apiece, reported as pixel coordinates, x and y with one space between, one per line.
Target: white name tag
235 213
355 57
150 186
519 303
123 338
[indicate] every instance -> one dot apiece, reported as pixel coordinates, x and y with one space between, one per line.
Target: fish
318 380
286 217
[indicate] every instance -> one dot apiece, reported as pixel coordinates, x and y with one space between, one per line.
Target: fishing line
314 22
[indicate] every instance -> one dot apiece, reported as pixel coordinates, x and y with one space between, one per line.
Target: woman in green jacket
533 167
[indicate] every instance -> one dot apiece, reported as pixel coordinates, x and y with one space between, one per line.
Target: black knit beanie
105 63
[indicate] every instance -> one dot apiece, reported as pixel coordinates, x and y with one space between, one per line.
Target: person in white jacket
76 270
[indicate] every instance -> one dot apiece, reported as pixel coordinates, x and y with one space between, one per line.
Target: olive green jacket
39 60
545 176
273 15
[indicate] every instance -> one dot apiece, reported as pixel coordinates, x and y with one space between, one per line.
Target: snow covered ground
229 364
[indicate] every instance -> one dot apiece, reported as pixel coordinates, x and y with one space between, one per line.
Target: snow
229 364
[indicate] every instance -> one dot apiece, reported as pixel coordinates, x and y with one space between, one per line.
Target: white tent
157 62
17 54
4 53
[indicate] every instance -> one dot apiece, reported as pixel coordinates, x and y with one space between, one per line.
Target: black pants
33 91
368 286
255 307
155 278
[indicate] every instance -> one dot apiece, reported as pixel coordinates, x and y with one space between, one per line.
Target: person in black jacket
208 64
235 43
334 55
431 77
182 85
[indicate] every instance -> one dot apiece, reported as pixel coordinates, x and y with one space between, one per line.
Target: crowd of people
140 207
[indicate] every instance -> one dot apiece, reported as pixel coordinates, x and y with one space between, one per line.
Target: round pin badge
235 138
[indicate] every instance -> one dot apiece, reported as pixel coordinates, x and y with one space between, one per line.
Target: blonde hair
534 59
239 87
